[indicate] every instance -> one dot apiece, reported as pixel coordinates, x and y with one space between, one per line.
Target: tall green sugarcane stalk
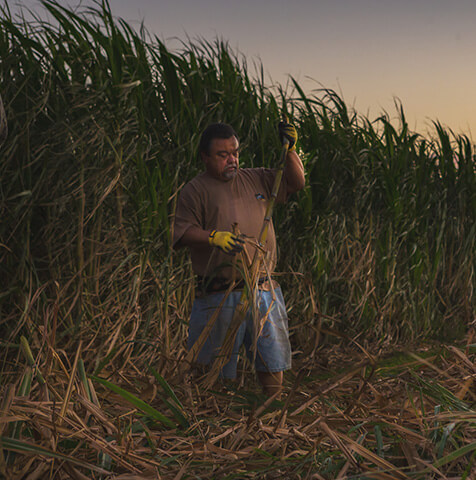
249 287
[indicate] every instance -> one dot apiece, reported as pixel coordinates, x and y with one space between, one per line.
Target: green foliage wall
104 125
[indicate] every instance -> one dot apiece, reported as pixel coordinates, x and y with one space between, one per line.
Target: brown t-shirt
213 204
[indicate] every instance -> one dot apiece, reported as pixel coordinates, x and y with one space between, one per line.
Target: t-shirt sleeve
187 214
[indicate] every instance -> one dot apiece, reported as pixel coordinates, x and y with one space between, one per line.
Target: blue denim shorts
273 353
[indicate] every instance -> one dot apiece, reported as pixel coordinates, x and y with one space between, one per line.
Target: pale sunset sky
421 52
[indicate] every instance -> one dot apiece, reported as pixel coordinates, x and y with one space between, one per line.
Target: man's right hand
226 241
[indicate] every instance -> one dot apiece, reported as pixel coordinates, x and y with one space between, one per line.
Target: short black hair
215 130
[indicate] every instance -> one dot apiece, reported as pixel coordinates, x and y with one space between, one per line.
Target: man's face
222 160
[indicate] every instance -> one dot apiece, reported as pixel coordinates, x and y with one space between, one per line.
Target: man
209 207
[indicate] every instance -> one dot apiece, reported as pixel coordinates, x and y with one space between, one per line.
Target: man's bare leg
272 382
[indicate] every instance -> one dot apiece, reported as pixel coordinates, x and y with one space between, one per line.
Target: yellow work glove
286 130
226 242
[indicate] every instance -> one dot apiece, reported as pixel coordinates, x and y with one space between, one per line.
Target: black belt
217 284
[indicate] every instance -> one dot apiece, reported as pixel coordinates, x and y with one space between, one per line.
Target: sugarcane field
373 268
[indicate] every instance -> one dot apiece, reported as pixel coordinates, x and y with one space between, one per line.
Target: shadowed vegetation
379 249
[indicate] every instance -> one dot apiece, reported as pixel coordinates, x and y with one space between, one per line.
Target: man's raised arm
294 172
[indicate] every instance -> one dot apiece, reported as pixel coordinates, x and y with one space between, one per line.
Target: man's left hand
286 130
